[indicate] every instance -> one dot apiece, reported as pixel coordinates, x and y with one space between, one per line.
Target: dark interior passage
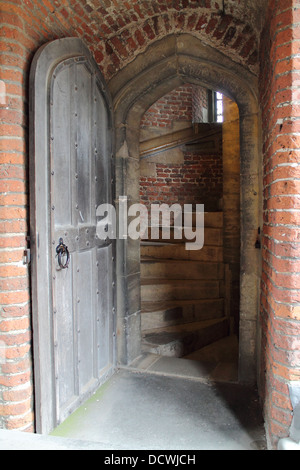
190 155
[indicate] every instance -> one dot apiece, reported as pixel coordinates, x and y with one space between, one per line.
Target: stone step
179 252
180 289
188 286
211 219
212 236
163 314
173 269
178 341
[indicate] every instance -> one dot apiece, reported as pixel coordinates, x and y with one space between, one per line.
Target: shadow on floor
170 404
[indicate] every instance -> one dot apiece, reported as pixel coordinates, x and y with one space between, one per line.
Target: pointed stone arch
165 65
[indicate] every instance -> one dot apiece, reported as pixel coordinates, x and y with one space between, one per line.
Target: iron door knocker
62 252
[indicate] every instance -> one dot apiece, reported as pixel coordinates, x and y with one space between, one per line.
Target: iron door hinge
27 252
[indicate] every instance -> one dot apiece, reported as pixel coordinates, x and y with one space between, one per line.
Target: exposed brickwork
115 31
16 398
176 106
280 312
187 103
197 181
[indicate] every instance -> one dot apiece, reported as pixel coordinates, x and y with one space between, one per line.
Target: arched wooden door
71 171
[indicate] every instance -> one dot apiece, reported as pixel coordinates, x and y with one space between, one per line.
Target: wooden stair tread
174 312
182 291
174 282
181 270
174 261
183 328
212 236
178 289
181 340
157 306
178 251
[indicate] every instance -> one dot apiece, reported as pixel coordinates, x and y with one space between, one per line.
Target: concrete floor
162 403
140 410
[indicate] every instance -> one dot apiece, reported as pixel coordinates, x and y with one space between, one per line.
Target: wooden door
73 172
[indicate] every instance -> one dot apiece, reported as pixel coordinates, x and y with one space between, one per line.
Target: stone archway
165 65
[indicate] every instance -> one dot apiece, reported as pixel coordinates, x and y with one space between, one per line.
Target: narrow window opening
219 107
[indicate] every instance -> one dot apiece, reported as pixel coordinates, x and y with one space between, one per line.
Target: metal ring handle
62 250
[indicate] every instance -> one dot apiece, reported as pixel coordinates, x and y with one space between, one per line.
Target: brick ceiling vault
117 30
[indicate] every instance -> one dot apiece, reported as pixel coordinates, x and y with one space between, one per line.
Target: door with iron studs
81 274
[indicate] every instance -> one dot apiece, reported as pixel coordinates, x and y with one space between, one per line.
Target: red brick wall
198 179
186 103
280 311
176 106
116 31
16 398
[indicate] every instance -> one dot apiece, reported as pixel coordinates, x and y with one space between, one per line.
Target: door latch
63 254
27 253
257 243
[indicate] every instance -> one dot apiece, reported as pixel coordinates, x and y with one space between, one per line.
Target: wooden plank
212 236
63 176
61 165
178 251
173 269
83 143
177 139
180 290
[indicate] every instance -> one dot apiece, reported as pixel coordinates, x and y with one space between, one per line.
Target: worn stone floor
162 403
